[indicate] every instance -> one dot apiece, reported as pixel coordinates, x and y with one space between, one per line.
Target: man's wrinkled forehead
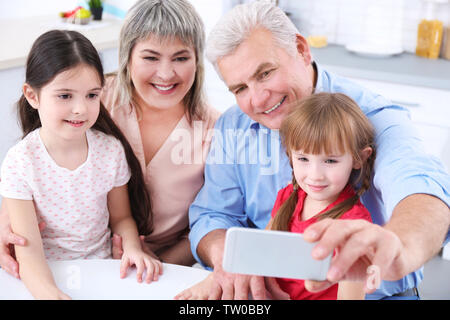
251 57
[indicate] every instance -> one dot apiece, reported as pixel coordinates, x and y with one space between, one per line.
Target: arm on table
123 224
34 270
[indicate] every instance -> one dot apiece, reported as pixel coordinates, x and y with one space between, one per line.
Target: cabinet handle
407 104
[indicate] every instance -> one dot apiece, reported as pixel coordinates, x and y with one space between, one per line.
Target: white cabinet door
430 112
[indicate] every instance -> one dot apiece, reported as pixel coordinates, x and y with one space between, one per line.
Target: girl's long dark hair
324 122
60 50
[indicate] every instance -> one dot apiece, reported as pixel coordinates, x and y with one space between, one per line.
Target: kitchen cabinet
429 109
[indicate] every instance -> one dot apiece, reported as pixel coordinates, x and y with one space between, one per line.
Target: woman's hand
143 262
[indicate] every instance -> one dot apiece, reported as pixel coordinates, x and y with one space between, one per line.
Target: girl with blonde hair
330 145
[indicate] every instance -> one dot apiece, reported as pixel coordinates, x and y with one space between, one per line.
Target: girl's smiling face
69 104
162 71
322 176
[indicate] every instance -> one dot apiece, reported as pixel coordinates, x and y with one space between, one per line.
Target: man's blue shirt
247 165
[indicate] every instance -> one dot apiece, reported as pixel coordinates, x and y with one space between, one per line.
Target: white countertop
17 36
99 280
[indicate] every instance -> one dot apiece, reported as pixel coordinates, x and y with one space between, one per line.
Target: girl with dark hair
157 100
73 169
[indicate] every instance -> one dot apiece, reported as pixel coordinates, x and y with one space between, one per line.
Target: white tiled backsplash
346 21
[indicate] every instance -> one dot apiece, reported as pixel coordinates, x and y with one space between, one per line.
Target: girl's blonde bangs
314 129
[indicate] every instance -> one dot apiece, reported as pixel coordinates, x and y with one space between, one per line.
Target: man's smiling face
266 79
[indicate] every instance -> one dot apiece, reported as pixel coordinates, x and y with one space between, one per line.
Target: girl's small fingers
150 271
117 250
140 270
157 270
124 267
160 266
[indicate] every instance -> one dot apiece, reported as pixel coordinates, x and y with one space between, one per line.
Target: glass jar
429 31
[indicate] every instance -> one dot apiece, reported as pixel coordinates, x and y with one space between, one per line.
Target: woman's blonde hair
326 123
164 19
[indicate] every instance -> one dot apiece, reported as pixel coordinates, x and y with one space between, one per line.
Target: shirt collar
321 82
256 126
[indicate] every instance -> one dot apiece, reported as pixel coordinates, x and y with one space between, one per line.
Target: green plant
95 3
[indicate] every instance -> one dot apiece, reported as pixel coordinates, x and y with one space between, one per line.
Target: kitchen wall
378 23
343 21
347 21
27 8
15 10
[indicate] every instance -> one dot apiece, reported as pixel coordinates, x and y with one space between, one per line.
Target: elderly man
267 65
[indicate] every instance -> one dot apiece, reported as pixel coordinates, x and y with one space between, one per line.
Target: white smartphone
272 254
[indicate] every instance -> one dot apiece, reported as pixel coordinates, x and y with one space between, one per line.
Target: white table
99 279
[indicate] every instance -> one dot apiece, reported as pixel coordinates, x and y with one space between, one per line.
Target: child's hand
63 296
143 262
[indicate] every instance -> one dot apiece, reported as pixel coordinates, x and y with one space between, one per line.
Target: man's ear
303 48
364 155
31 95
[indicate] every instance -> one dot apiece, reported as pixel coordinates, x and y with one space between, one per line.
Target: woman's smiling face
162 71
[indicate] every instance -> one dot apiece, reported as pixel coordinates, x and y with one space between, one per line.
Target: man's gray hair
164 19
235 27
